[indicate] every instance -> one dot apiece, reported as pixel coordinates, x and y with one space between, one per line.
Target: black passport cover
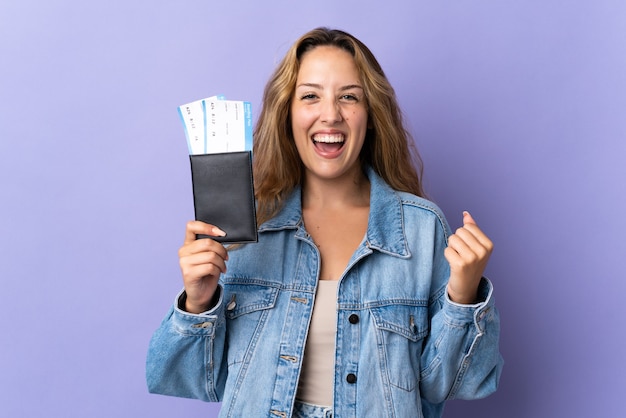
223 194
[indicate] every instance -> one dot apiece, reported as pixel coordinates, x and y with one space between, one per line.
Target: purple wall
518 107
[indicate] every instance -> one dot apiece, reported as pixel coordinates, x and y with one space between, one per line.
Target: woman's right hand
201 262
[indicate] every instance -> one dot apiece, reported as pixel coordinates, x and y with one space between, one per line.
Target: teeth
328 138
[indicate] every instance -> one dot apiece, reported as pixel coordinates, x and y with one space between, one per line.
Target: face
329 113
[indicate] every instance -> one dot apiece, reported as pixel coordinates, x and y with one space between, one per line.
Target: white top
318 367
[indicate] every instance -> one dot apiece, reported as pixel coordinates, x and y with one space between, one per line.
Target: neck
350 190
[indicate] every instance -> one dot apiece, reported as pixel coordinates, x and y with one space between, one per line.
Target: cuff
461 315
194 324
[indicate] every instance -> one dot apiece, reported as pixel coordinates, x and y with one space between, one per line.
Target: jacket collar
385 229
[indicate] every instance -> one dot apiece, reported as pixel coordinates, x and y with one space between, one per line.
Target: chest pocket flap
241 299
410 321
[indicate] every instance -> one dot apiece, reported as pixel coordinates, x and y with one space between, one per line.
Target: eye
308 96
349 98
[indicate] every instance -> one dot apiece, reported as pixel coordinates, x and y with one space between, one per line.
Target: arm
464 347
186 356
461 357
186 352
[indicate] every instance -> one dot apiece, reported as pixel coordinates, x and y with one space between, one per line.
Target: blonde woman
357 300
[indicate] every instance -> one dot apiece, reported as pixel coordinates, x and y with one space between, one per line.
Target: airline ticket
216 125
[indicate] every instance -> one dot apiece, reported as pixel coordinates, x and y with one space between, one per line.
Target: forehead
325 61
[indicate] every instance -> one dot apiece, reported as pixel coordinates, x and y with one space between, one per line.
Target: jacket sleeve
186 355
461 356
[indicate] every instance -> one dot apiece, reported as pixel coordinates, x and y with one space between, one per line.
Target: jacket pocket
400 329
242 299
247 308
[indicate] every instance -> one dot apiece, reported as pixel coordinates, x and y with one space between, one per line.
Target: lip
328 154
328 132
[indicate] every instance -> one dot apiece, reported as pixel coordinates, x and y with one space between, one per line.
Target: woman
356 301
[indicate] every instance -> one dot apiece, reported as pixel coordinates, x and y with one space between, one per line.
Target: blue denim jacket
402 346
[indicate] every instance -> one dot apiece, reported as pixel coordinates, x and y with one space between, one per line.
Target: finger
453 257
202 265
195 228
469 247
470 225
467 218
462 268
204 258
194 275
196 267
204 245
474 236
465 245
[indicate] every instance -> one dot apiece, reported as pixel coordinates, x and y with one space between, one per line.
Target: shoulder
416 208
410 201
390 207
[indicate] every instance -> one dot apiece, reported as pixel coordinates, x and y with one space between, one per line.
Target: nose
330 111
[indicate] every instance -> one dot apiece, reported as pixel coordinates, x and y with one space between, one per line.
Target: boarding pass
215 125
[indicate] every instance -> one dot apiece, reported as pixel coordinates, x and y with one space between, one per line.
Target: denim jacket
402 346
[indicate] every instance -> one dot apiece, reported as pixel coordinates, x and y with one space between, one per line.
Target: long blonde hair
388 148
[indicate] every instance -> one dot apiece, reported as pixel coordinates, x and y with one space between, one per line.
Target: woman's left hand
468 253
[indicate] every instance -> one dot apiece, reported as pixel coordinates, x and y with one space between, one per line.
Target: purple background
518 108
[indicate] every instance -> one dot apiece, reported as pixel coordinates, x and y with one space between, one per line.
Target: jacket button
351 378
354 319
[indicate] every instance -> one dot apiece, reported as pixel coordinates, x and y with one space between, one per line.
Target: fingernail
218 232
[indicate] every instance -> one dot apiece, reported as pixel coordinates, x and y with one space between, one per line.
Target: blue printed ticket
215 125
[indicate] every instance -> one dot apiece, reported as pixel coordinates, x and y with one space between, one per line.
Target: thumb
467 218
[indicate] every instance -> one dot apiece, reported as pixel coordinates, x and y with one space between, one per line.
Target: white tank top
318 367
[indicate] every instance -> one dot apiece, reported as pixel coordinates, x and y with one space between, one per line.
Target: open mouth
328 143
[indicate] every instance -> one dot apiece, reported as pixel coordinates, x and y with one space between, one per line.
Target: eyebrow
319 86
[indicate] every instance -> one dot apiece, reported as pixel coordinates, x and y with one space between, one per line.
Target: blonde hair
388 148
